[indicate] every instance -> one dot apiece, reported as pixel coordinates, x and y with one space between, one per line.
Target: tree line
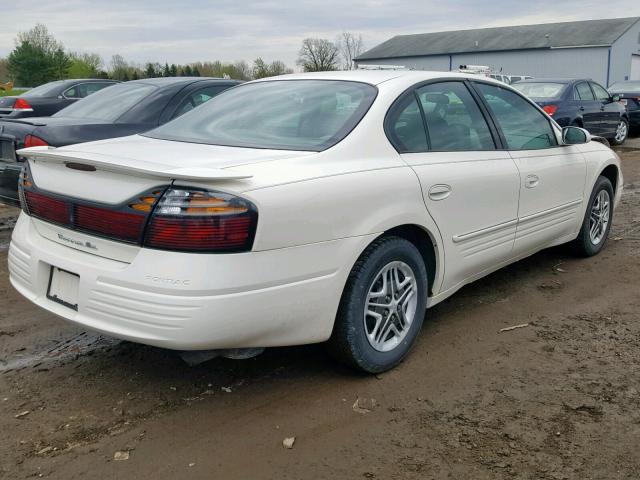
39 58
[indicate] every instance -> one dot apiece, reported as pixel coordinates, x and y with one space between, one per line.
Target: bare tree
318 55
350 46
119 67
40 38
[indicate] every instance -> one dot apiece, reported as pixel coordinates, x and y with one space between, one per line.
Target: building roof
523 37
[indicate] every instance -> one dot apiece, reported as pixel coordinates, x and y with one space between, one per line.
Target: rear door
469 186
552 176
589 108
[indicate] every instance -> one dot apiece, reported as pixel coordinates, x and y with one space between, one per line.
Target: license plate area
63 287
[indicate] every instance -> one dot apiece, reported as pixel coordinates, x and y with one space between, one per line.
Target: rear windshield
46 90
108 104
280 114
620 87
540 90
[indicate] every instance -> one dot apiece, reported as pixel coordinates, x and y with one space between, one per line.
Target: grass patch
15 91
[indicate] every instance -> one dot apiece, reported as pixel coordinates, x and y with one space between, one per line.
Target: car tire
622 132
590 242
375 336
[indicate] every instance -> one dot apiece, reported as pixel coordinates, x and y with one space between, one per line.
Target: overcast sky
197 30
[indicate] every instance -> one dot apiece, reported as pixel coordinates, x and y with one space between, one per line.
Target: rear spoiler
126 165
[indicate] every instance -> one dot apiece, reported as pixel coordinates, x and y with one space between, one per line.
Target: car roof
555 80
165 81
375 77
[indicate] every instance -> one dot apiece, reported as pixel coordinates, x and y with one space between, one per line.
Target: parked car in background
517 78
124 109
629 93
50 98
330 206
581 103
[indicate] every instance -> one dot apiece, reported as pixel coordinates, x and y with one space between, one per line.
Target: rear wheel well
422 241
611 172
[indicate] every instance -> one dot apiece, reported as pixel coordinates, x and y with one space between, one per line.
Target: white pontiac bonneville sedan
306 208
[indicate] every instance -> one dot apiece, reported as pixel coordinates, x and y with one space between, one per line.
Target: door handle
581 109
439 192
531 181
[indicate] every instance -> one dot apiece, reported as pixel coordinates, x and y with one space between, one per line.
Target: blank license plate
63 287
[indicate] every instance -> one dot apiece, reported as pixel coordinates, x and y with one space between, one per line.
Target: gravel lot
558 399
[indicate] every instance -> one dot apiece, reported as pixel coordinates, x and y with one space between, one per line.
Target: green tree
186 71
153 70
195 72
38 58
261 69
166 71
85 65
4 70
173 70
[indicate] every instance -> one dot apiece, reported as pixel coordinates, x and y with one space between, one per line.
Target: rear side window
454 120
197 98
405 128
523 126
583 92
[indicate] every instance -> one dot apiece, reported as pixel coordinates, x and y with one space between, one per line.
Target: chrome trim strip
533 216
483 231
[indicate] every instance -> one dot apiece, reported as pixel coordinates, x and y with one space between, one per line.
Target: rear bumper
193 301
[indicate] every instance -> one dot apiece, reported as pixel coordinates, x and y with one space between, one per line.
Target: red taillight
550 109
22 104
47 208
33 141
201 221
109 223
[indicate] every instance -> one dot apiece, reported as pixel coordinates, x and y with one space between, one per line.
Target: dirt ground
558 399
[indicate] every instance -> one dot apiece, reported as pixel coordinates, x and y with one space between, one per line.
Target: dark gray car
50 98
124 109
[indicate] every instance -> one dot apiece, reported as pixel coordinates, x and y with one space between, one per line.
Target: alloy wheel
621 132
390 306
599 217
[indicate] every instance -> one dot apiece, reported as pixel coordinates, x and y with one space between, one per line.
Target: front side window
601 93
583 92
523 126
454 120
309 115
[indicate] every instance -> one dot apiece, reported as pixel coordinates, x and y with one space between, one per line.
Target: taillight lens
190 220
33 141
48 208
550 109
22 104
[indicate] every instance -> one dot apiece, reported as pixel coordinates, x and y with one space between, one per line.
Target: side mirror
615 97
575 136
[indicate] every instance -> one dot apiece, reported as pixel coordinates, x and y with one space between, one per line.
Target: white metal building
605 50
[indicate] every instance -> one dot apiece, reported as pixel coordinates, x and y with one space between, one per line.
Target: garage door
635 67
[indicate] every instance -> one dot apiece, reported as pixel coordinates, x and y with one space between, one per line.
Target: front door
470 188
610 110
552 176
